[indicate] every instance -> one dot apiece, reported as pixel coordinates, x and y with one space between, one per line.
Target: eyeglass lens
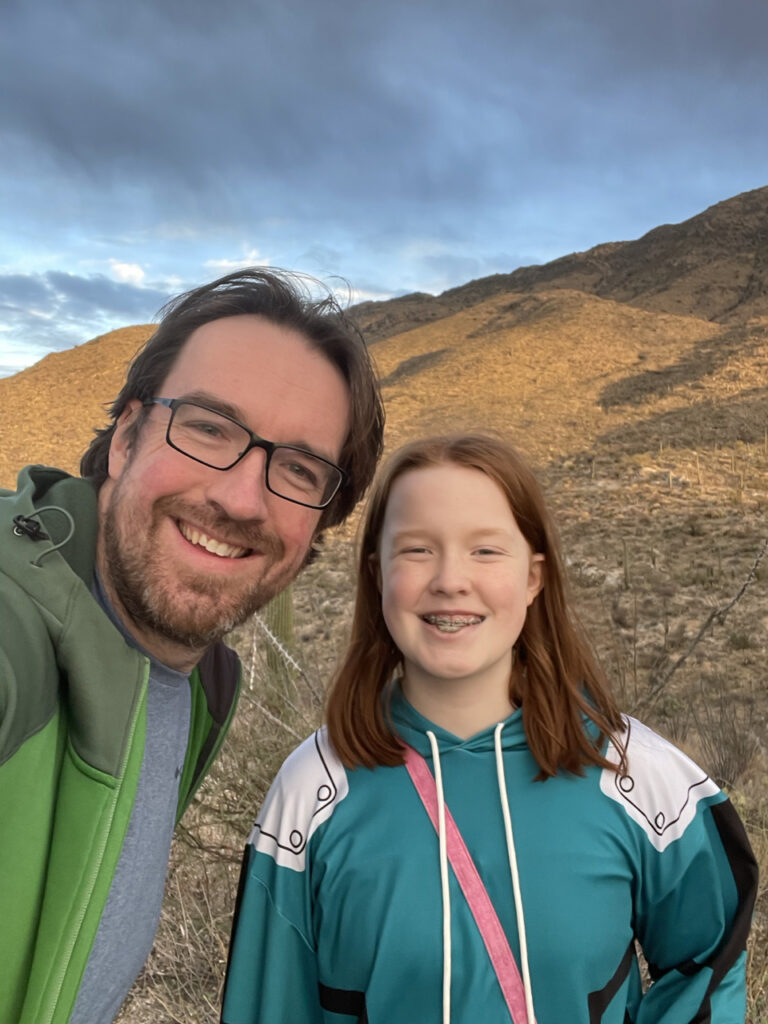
219 442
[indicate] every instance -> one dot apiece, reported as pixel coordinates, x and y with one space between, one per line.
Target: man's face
186 552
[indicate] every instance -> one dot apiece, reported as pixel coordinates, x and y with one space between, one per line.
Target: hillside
713 266
48 411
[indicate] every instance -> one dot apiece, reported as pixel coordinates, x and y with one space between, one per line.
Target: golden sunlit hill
48 412
635 376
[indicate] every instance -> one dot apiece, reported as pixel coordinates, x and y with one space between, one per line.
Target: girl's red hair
562 681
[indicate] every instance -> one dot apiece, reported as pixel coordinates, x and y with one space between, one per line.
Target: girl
383 881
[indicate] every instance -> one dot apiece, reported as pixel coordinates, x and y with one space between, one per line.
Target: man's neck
173 655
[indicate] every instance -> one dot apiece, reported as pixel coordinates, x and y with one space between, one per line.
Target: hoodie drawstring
27 526
512 857
443 879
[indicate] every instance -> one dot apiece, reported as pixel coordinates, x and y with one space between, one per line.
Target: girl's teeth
452 623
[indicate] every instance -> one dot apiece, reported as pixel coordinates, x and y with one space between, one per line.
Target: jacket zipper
47 1016
196 780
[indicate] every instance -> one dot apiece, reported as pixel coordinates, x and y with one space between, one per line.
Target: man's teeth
452 623
215 547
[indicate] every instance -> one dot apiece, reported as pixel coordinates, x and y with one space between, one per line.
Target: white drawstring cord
511 854
443 880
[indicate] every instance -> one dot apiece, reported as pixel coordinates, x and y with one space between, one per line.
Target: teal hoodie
72 727
339 915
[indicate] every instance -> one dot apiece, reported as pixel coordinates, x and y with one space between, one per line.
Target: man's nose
241 492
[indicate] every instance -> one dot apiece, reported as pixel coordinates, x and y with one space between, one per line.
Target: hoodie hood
65 508
412 728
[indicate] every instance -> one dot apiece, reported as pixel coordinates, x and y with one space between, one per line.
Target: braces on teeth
452 623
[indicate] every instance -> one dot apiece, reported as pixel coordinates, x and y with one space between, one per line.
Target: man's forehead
268 376
240 346
247 329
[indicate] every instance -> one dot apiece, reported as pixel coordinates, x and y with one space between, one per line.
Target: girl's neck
461 709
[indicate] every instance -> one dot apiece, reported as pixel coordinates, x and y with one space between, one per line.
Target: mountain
616 353
713 266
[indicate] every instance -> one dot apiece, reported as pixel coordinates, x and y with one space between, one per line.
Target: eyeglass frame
269 447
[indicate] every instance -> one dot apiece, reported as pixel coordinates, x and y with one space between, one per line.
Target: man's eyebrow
216 404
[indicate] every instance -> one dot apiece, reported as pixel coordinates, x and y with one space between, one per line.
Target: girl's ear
123 438
536 571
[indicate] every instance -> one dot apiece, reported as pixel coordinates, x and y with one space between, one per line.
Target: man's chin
197 620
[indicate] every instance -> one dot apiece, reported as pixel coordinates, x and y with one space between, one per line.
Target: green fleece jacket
72 727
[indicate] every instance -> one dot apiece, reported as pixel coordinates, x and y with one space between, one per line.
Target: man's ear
123 438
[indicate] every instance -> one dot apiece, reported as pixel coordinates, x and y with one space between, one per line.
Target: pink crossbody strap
475 893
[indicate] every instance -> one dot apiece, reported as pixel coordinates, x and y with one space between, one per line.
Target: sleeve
694 924
272 973
696 887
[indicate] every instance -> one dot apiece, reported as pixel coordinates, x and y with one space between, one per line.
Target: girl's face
457 577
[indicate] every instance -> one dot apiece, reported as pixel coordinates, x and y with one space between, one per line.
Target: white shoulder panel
310 783
662 786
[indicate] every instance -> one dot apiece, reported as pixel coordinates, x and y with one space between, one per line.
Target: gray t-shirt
129 921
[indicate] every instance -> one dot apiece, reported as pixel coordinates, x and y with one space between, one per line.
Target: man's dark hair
285 300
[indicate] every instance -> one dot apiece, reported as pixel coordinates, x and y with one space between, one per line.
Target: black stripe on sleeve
598 1001
344 1001
238 901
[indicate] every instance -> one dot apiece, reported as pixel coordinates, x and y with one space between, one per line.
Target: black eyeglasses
219 441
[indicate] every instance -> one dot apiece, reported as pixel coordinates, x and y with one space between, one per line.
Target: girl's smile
457 577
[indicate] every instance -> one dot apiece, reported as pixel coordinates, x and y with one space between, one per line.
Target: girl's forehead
445 490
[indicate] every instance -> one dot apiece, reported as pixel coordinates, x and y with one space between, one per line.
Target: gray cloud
101 295
54 311
247 109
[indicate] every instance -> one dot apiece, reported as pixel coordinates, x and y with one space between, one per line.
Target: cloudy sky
400 145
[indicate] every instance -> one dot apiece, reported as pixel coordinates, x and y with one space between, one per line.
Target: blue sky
406 145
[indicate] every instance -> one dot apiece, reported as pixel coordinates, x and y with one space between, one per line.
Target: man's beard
192 609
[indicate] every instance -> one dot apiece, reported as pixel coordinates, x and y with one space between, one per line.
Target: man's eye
301 472
209 429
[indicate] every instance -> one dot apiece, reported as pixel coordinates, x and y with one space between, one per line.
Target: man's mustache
212 520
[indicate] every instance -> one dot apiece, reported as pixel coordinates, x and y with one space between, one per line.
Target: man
250 422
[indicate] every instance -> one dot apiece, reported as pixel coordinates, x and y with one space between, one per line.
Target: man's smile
215 547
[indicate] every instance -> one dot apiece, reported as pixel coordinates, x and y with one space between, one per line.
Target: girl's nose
450 576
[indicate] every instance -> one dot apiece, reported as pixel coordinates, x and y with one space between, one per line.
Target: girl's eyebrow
409 534
480 533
